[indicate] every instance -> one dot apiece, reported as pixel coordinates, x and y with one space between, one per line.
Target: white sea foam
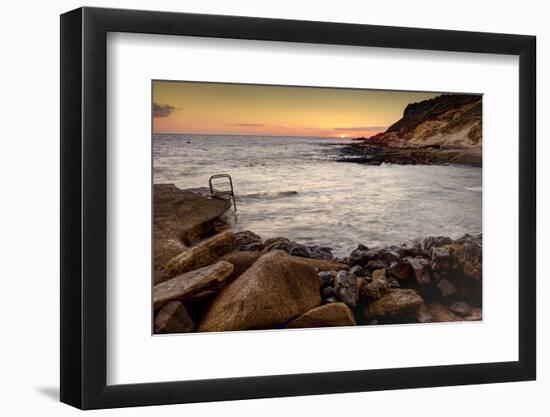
476 189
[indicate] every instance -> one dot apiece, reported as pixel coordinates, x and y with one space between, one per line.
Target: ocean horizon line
266 136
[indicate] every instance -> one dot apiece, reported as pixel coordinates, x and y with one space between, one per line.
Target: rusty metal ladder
226 190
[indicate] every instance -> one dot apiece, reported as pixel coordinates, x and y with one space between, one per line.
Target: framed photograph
257 208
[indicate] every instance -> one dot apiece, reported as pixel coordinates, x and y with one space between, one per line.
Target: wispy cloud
359 129
162 110
247 124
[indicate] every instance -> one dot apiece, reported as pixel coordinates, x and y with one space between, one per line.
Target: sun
342 136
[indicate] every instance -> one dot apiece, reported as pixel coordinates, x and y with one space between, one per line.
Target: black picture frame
84 207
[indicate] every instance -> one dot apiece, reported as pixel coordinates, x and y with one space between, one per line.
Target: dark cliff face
449 120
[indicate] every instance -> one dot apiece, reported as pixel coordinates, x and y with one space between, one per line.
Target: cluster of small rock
437 279
237 281
249 241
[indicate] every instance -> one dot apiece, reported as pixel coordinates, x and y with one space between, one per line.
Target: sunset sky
239 109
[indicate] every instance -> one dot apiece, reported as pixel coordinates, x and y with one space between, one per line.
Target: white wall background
29 225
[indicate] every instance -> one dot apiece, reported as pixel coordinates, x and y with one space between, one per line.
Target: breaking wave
267 195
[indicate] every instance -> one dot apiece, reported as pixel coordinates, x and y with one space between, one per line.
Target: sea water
294 187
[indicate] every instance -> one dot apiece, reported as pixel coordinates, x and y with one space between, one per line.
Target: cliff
446 121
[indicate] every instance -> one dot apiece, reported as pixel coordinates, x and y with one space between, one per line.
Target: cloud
360 129
162 110
247 124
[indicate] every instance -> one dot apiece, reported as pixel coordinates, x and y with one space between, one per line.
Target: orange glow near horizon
242 109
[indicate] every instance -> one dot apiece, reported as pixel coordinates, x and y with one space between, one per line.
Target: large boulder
203 254
192 285
180 219
184 215
274 290
173 318
328 315
396 302
241 261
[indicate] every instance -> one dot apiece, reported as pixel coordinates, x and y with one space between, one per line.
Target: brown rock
193 285
421 268
441 314
327 278
361 256
204 254
388 255
328 292
379 274
183 215
173 318
472 260
436 241
376 289
276 243
328 315
245 259
397 301
474 315
460 307
321 264
241 261
424 314
361 285
440 258
468 256
180 218
401 270
446 288
358 270
164 250
271 292
376 264
248 241
346 288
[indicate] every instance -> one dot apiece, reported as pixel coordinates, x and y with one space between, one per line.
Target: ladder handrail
221 194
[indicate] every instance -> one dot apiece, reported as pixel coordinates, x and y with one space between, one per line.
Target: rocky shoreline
372 153
443 130
210 279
